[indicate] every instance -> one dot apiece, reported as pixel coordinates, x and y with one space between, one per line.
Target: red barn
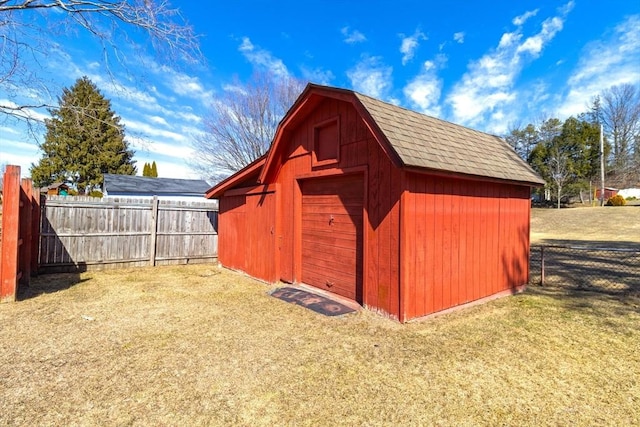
406 214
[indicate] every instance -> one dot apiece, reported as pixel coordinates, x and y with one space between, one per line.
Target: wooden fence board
81 233
9 263
19 237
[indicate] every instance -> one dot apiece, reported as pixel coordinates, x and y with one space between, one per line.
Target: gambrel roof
412 141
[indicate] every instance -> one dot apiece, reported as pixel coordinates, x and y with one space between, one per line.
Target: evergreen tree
84 140
566 155
523 140
150 170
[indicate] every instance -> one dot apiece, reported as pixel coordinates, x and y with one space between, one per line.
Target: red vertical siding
231 231
247 234
383 186
474 237
261 229
429 246
373 234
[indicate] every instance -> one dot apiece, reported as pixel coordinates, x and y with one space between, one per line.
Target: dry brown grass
196 345
620 225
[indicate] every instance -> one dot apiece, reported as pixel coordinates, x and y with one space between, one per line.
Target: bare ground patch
196 345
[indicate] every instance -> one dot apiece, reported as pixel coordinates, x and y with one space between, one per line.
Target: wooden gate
20 219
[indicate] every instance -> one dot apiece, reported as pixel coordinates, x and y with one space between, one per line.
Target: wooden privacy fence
81 233
19 247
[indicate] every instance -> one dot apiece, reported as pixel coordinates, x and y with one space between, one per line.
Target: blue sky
486 65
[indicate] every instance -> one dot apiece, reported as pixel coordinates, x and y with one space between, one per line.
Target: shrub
95 193
616 200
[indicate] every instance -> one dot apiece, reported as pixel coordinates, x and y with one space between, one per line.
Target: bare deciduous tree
241 124
558 166
28 31
618 109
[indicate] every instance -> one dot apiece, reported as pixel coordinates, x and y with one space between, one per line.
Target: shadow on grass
49 283
589 274
607 267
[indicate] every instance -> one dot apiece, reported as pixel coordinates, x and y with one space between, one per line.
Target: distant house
56 189
164 188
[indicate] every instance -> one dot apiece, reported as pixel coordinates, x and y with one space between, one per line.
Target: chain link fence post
542 266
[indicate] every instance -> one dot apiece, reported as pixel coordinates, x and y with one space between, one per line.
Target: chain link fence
608 270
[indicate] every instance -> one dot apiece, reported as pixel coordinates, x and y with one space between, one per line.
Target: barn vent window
326 142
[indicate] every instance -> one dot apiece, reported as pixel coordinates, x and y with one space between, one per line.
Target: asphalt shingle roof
156 186
427 142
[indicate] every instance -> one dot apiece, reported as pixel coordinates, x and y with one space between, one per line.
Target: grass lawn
619 226
198 345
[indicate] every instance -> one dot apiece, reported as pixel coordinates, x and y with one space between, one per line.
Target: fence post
154 231
541 265
26 231
10 234
35 231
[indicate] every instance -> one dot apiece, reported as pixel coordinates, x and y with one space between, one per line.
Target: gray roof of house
426 142
155 186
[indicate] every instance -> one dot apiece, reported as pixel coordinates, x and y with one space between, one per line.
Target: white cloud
424 90
486 93
235 87
149 131
23 146
410 44
18 153
190 117
534 44
158 120
566 8
607 62
22 160
371 77
25 113
171 162
317 75
160 148
168 168
262 58
519 20
5 130
121 91
459 37
184 85
352 36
